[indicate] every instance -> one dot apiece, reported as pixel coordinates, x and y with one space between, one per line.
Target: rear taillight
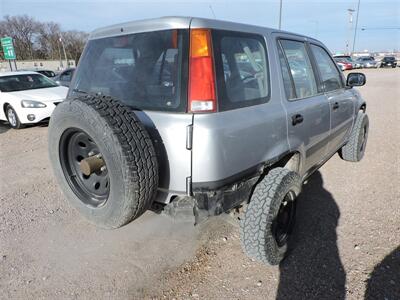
202 96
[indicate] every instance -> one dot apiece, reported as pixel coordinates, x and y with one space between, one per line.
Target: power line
212 11
380 28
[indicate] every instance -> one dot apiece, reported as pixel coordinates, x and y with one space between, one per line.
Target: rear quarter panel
228 144
168 134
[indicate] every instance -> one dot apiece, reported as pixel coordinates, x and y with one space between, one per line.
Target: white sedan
28 97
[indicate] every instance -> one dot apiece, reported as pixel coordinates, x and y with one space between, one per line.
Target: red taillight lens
202 96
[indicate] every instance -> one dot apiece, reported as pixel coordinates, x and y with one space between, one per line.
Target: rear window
241 69
142 70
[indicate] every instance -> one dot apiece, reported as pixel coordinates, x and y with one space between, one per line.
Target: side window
287 80
241 68
330 76
66 76
300 68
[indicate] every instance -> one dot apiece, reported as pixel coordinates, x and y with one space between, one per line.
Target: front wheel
12 118
270 216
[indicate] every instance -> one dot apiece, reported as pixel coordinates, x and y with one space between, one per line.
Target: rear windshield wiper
80 91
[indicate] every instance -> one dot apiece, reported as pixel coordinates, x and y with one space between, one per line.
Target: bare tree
41 40
24 31
74 43
48 40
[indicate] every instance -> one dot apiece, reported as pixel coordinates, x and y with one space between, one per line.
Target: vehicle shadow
384 281
3 127
314 269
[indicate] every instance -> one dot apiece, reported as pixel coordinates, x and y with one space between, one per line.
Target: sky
325 20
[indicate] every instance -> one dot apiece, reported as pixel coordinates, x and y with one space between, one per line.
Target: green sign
8 48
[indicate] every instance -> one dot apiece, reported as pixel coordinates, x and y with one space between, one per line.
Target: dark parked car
64 78
388 61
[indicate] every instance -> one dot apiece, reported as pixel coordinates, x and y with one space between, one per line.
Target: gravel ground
347 244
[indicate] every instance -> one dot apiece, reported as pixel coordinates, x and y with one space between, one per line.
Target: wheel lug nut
91 153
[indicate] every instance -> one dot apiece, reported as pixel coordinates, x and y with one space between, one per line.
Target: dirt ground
346 245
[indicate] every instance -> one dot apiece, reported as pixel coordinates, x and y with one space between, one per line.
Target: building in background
54 65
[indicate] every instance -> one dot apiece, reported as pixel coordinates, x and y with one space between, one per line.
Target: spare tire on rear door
103 159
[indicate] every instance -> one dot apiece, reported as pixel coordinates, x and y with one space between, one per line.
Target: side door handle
297 119
335 106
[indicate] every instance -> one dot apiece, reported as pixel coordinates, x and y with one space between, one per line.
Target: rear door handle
297 119
335 106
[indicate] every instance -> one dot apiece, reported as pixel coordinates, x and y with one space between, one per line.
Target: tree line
34 40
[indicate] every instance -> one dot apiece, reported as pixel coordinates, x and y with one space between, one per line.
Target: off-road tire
257 238
18 124
126 149
355 148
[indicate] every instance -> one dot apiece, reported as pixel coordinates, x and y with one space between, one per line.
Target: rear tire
264 237
126 186
355 148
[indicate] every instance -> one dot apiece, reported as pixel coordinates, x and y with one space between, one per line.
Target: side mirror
355 79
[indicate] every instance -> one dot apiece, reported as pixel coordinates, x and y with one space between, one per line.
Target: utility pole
59 53
280 15
350 27
355 30
65 53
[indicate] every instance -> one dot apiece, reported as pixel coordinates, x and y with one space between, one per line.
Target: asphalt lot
347 244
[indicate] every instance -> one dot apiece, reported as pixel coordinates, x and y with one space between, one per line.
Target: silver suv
177 112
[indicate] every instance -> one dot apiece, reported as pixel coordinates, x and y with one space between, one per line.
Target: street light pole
355 30
280 15
65 53
350 27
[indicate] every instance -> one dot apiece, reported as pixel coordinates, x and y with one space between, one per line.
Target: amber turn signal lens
200 43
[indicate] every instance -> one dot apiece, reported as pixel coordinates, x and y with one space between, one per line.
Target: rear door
306 105
341 100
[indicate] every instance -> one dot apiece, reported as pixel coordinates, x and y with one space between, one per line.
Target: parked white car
28 97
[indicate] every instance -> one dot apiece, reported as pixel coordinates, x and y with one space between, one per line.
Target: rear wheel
103 159
270 216
12 118
355 148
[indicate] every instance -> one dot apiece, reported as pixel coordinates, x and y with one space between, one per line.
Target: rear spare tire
103 159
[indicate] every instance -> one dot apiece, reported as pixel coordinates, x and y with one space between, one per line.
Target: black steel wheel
76 146
284 222
103 159
270 216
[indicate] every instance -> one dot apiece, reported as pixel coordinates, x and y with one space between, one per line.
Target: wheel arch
291 161
363 107
5 106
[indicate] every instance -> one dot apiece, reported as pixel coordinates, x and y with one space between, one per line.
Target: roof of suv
165 23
